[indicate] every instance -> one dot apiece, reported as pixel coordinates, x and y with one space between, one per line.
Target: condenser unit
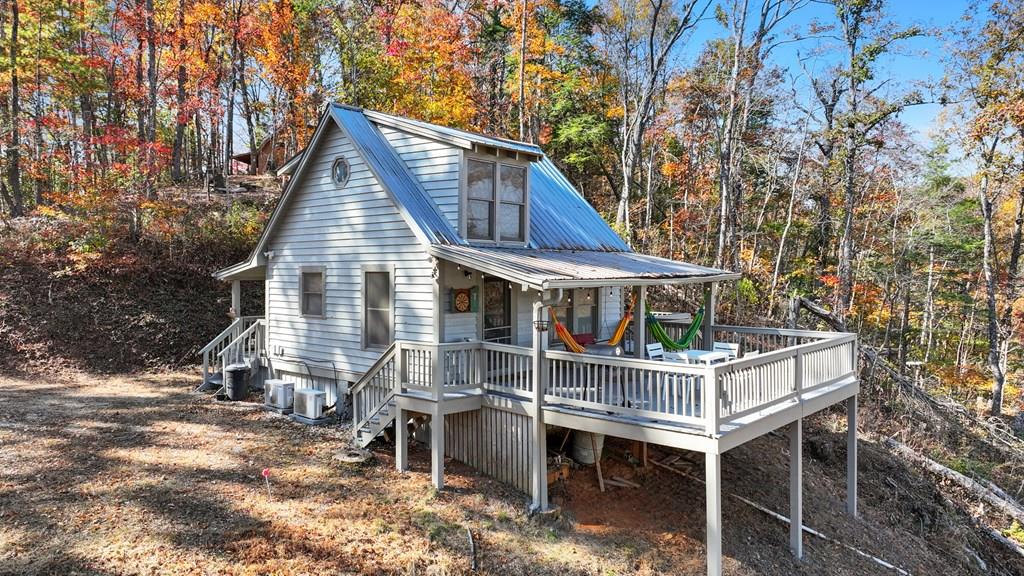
278 395
309 406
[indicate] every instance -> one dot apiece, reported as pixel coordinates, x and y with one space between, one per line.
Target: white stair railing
211 353
246 348
374 390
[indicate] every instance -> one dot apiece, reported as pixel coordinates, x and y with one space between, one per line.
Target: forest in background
806 181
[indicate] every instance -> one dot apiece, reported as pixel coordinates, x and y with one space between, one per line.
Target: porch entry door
497 311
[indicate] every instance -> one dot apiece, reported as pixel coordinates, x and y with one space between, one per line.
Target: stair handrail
231 329
385 357
256 327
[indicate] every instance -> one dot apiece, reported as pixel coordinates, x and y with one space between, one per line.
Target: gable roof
453 136
570 244
416 206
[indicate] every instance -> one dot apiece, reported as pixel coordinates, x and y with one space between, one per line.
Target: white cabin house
414 267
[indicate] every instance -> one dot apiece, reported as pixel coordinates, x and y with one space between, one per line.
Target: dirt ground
134 475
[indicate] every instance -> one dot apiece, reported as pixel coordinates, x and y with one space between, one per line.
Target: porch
778 377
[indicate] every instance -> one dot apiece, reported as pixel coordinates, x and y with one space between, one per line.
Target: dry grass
133 475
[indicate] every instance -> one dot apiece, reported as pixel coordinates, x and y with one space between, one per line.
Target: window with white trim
496 195
311 287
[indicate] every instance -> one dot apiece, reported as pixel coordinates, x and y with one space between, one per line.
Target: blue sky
917 60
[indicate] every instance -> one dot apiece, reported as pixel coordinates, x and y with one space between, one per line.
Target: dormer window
495 201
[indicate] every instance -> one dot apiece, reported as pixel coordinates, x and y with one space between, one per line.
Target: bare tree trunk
995 364
151 102
522 71
789 214
14 151
181 119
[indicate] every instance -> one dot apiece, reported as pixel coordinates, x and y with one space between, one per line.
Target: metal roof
545 269
410 198
562 219
460 138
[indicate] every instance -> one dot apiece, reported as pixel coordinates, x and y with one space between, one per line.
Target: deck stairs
240 343
373 399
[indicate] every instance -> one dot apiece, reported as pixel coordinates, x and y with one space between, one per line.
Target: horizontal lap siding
496 442
342 229
305 380
435 165
610 311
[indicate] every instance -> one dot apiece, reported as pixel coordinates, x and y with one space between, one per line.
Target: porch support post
640 324
538 430
851 456
796 502
401 439
707 330
713 488
236 297
401 416
437 447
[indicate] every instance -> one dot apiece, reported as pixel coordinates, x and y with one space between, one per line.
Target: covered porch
773 378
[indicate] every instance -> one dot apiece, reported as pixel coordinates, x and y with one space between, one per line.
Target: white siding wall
435 164
609 312
342 229
464 325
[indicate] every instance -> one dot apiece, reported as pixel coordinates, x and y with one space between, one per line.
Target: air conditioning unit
309 403
278 394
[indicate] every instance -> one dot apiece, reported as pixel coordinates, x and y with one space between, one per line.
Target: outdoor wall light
540 325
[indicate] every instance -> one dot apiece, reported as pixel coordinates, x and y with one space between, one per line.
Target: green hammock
670 345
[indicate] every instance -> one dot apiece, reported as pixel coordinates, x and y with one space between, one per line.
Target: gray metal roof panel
566 268
455 133
410 197
562 219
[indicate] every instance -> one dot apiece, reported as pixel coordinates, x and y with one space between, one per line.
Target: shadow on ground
132 474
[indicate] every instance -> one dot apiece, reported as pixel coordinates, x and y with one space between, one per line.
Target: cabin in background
454 279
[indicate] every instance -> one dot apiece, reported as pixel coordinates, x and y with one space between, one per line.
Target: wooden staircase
240 343
373 398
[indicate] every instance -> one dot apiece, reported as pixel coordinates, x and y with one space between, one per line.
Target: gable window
377 308
495 201
340 171
311 286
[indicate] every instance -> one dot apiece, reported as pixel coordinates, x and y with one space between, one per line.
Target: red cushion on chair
584 339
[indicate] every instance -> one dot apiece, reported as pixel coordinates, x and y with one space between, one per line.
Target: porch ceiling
546 269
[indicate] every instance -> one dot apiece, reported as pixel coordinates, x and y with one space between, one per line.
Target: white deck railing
775 366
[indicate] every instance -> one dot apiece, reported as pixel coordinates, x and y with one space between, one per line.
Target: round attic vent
340 171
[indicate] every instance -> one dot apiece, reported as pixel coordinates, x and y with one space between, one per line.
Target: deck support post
796 502
640 324
538 431
236 298
707 335
401 439
713 488
437 447
851 456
